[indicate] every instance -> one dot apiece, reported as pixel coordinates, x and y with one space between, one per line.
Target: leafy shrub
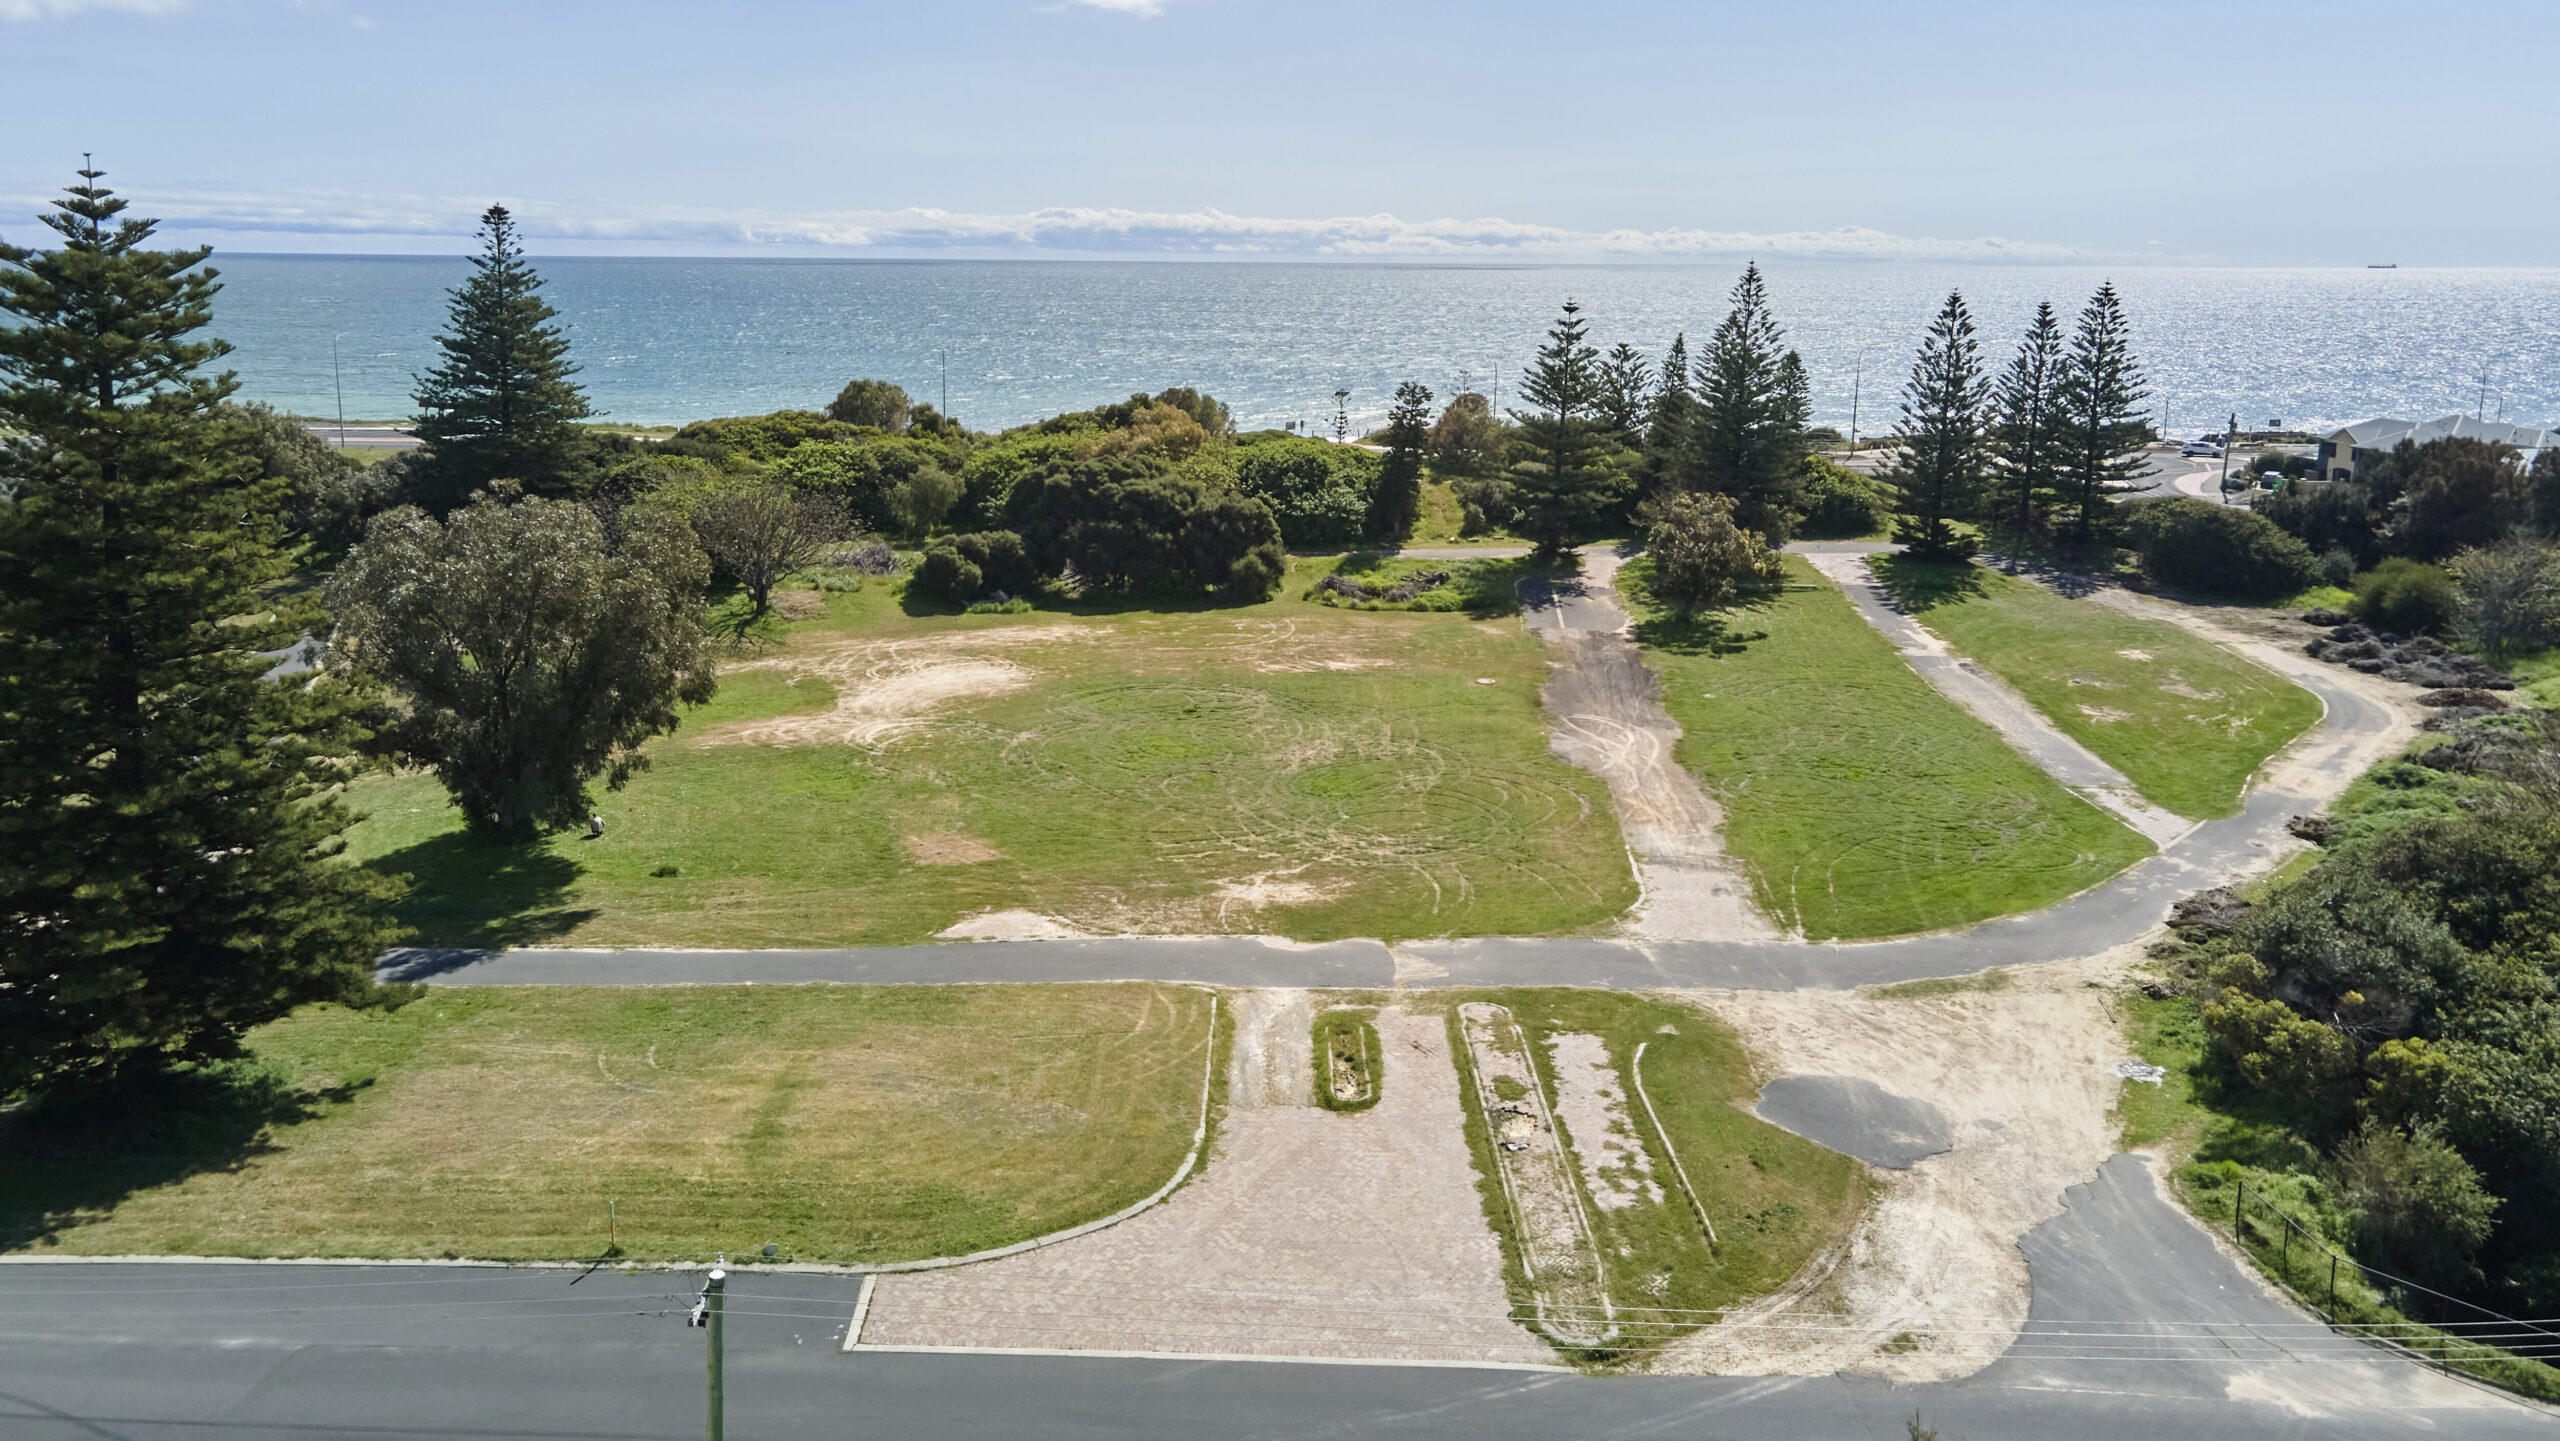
1841 504
1319 493
963 567
875 403
1130 523
2198 546
2276 1048
2404 595
2419 1206
883 482
763 438
2507 596
1700 556
1010 605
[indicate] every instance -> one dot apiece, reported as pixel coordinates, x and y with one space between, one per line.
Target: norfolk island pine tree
502 403
1944 450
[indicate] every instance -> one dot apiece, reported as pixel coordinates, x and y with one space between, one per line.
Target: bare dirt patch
1009 926
2105 714
1258 892
1592 1103
799 604
1609 720
2023 1077
947 848
1562 1259
1312 1233
888 689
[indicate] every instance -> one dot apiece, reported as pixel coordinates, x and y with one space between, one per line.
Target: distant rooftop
2387 433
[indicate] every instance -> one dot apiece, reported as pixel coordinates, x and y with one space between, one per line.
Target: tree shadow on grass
1919 586
67 1161
1725 630
484 894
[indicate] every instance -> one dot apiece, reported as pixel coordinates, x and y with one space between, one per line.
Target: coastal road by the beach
2138 1328
362 437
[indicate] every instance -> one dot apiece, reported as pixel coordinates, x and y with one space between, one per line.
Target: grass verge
2185 720
1865 803
873 776
844 1124
1776 1198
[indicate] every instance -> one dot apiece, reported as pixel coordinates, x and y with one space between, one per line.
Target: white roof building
2346 449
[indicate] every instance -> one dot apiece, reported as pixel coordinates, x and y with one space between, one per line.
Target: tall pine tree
2103 428
1944 450
502 403
169 836
1626 392
1746 440
1395 507
1556 494
2025 429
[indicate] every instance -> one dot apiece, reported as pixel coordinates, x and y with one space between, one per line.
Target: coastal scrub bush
2195 545
1319 493
1129 523
882 482
1841 504
2419 1206
961 568
763 438
2404 595
875 403
2507 597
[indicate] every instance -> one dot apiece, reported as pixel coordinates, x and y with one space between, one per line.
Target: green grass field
1776 1198
843 1124
873 776
2186 721
1865 803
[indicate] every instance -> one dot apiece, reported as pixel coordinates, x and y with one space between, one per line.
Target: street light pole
338 380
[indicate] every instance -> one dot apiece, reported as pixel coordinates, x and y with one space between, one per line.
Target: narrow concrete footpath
1991 701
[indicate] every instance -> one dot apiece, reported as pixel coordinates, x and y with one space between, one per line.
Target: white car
2205 448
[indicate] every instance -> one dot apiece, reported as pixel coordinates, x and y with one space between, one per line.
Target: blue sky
2233 132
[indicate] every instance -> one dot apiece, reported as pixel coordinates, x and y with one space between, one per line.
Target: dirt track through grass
843 1124
1866 803
877 777
2186 721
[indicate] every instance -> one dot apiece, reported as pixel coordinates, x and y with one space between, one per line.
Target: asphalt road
199 1352
363 437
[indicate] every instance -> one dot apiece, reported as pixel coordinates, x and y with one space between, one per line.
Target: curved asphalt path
391 1353
2117 911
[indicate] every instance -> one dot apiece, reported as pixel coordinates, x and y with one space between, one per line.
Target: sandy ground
1559 1254
888 689
1311 1233
1592 1105
2023 1075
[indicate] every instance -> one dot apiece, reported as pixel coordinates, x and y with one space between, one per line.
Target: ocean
663 341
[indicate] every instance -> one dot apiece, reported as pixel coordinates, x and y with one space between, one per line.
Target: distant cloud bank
55 9
322 221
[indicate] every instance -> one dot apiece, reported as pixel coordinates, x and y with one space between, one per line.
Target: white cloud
56 9
1125 7
320 217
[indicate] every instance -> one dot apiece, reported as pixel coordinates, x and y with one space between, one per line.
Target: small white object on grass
2143 1071
595 826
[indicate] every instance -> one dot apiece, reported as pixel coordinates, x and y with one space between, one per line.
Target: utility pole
707 1314
340 381
2230 438
946 382
1857 379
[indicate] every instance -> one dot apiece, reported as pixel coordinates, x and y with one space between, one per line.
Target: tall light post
1341 416
338 380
